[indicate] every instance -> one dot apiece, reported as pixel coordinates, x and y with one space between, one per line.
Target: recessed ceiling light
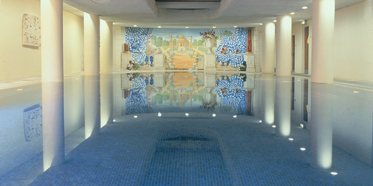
214 27
187 27
356 92
235 26
159 27
275 21
292 13
135 25
304 7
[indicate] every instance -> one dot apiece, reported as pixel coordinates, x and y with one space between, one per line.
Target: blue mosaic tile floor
219 151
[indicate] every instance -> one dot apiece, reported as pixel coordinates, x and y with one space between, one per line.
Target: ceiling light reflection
135 116
213 115
334 173
186 114
302 149
159 114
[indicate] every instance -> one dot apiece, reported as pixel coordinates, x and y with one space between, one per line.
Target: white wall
73 58
298 32
17 61
353 42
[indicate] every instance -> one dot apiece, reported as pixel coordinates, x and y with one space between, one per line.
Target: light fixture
260 121
187 27
214 27
159 114
186 114
273 126
302 149
213 115
291 139
235 26
234 116
19 89
292 13
356 92
334 173
135 116
275 21
304 7
304 22
159 27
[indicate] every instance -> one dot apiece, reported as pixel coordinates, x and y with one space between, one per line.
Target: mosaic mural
183 47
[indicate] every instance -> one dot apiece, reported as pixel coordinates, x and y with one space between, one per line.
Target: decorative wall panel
31 30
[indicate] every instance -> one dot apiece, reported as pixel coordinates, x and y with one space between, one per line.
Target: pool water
189 128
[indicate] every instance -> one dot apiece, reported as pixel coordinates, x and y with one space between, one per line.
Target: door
293 54
306 49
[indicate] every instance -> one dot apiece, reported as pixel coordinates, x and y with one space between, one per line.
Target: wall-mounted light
301 125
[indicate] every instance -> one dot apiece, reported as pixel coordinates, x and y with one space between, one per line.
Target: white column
92 105
107 100
106 46
283 45
91 44
283 106
321 127
323 12
52 78
268 98
268 60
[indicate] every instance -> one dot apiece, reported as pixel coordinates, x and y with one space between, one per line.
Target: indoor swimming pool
190 128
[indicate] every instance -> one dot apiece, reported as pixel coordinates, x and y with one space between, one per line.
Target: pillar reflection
92 105
321 127
283 106
53 124
106 86
268 98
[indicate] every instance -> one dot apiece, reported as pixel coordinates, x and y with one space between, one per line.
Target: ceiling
195 13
